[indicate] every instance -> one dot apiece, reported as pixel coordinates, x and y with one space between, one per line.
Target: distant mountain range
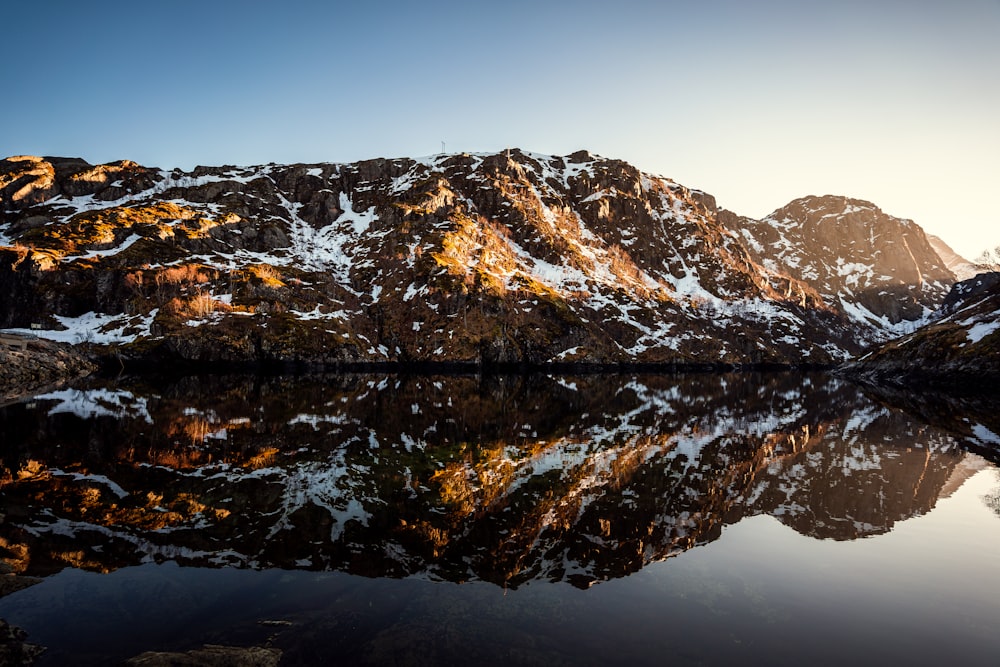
504 258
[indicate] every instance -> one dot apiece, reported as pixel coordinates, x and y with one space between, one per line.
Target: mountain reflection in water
503 479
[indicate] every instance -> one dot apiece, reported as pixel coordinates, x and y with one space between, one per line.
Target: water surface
383 519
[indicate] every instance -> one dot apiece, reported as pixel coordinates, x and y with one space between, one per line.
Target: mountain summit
509 257
873 266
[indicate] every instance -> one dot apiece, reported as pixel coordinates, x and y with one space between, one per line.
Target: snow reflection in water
497 482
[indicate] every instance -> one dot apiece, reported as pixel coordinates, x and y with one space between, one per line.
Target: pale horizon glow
755 103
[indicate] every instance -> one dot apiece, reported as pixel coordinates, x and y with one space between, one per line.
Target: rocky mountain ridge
872 265
960 266
507 258
958 349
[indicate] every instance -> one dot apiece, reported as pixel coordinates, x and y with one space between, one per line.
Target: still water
516 520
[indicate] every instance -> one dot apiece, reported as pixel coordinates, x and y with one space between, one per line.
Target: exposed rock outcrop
26 180
40 364
14 650
960 266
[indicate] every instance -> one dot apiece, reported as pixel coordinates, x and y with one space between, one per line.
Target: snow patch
981 331
91 403
127 243
985 435
97 328
100 479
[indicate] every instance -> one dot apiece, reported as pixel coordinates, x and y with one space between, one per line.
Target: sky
757 103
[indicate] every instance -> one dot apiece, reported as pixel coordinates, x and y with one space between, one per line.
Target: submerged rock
210 656
13 649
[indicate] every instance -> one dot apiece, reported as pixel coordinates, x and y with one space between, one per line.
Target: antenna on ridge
442 148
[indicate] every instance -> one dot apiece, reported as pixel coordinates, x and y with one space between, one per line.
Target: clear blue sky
757 103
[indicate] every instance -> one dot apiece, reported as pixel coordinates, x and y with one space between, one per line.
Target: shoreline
38 365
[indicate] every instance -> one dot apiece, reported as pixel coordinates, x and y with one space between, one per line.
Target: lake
704 518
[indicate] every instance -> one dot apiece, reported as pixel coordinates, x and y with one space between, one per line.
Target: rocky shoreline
931 378
14 650
39 364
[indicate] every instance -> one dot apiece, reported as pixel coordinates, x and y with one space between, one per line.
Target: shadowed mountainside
959 350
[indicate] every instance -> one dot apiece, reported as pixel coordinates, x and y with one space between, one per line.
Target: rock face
960 266
13 649
42 363
960 347
480 259
877 267
27 180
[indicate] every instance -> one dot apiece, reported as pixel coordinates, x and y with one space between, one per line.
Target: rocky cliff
38 364
960 266
480 259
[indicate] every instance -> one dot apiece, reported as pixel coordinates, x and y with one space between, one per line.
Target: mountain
876 267
960 346
960 266
482 259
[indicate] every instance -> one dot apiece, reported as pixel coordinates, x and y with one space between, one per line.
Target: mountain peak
827 207
854 253
960 266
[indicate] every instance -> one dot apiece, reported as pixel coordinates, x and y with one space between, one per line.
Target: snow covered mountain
491 258
875 267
